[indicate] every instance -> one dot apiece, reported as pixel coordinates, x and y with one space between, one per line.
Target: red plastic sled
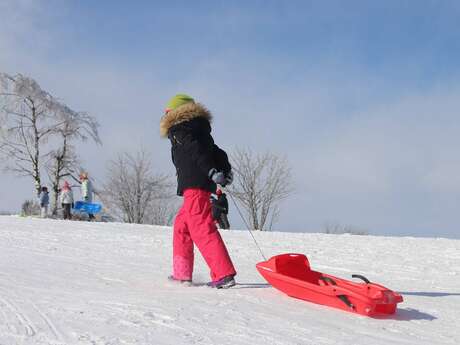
291 274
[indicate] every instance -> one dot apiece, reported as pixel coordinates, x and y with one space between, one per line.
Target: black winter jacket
193 150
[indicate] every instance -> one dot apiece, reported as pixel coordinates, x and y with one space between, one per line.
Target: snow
66 282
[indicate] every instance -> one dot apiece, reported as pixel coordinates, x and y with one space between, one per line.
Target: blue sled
82 206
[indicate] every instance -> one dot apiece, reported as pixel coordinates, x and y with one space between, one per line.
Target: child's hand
217 176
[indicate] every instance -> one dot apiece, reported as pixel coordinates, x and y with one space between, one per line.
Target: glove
218 177
229 178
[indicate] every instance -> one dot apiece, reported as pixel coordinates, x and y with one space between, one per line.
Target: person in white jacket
86 191
66 199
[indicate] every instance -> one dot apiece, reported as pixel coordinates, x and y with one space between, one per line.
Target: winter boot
224 283
185 282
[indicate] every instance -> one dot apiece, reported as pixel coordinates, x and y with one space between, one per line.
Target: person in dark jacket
200 166
44 200
220 209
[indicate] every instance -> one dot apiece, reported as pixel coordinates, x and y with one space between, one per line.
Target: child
200 166
44 200
86 191
220 209
67 200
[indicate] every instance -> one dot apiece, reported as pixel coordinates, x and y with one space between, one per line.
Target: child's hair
44 189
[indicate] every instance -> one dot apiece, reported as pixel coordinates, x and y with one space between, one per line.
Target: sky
361 97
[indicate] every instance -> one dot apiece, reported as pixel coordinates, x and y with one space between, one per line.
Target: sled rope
247 225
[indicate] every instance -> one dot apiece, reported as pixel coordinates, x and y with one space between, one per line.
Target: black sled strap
343 298
359 276
328 280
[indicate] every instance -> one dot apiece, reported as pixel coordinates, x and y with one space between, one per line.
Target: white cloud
387 166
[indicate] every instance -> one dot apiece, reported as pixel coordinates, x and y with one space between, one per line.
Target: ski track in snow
64 283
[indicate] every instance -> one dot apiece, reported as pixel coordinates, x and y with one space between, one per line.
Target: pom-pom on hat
178 100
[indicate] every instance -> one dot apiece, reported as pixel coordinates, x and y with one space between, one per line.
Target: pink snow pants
194 225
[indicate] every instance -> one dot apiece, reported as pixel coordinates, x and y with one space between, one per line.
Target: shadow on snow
251 286
430 294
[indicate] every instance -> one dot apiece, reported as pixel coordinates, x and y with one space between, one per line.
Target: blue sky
378 37
361 96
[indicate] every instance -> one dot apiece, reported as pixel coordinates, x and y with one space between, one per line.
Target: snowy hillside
89 283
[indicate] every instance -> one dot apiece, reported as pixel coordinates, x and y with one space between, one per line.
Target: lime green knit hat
178 100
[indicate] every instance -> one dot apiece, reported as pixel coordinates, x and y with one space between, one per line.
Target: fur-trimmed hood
184 113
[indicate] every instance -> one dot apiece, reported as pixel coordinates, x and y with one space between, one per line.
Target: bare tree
25 121
64 160
29 116
134 193
261 182
163 210
336 228
30 208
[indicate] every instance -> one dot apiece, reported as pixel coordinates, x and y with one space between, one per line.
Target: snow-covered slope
87 283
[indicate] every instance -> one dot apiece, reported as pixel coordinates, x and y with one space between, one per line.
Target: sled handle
359 276
328 280
345 300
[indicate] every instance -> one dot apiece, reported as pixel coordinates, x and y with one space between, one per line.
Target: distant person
220 209
66 199
44 200
86 191
200 166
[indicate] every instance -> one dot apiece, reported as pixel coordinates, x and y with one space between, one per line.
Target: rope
248 227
